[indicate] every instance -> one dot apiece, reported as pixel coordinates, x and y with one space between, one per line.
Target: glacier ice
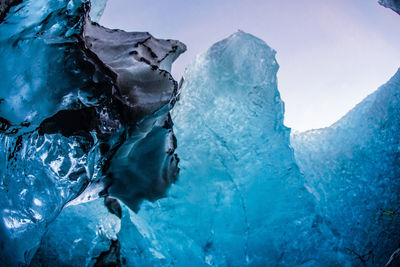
353 170
69 105
240 199
88 148
96 9
91 230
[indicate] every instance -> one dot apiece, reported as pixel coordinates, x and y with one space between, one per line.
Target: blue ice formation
84 113
233 195
96 9
87 148
240 180
353 170
240 199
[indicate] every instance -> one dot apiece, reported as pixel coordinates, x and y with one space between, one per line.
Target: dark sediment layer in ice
75 96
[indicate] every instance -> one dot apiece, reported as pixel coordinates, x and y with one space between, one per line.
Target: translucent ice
87 230
72 96
352 168
86 135
240 199
97 9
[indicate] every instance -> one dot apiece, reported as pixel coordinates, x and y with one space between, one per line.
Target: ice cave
107 160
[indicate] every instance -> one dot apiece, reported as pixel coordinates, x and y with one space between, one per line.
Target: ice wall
86 136
240 199
353 169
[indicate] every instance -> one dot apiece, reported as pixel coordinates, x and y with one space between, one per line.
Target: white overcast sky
332 53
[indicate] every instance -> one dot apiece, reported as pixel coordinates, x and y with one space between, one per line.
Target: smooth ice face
73 96
240 198
352 168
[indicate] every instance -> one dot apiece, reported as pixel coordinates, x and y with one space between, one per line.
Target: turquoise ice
91 125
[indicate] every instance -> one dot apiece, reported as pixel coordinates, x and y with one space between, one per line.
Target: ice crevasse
88 119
